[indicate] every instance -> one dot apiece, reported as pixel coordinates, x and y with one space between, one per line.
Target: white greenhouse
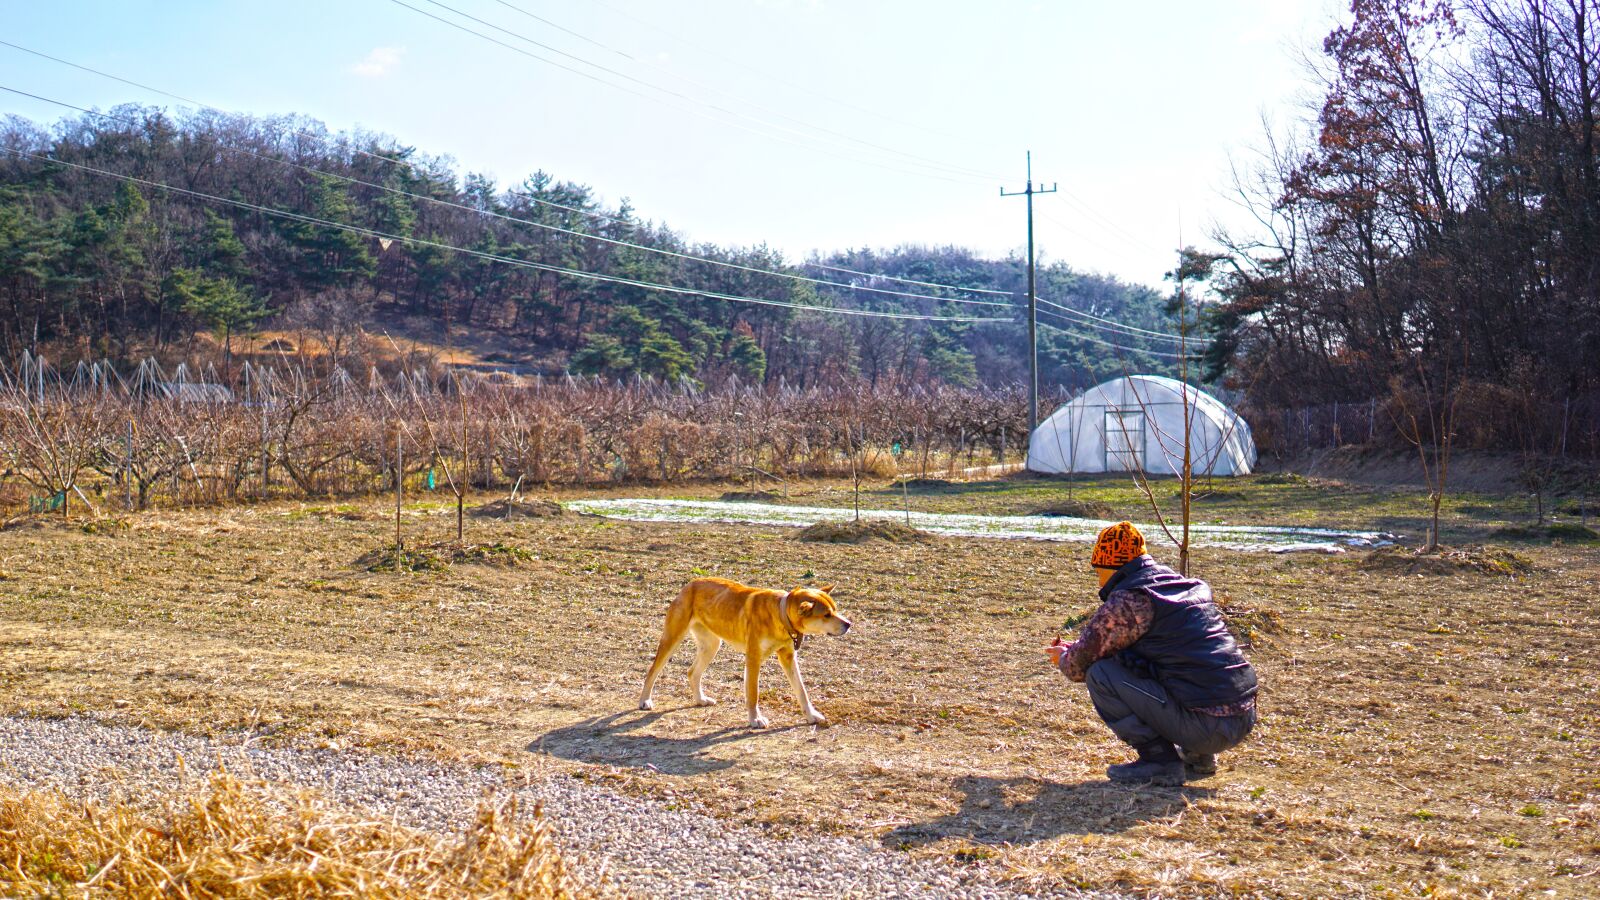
1136 424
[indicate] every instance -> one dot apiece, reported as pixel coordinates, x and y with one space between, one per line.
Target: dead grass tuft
1251 626
109 525
860 532
254 840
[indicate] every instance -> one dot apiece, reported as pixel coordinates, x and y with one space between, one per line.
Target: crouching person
1161 668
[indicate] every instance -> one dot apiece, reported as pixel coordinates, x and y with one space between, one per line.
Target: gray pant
1141 713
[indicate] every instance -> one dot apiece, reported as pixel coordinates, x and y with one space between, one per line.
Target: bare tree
335 315
1425 416
53 433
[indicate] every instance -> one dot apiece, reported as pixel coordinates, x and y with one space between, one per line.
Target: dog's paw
706 701
647 703
816 718
758 721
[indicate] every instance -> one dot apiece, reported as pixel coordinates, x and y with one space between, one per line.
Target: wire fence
1567 427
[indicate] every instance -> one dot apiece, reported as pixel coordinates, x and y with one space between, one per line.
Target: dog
760 621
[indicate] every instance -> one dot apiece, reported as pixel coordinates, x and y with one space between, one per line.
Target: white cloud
379 62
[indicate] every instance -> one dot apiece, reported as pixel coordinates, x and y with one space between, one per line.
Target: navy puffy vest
1188 648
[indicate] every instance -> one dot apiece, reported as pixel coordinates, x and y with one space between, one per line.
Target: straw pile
252 840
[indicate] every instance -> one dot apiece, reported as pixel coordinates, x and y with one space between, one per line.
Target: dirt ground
1429 729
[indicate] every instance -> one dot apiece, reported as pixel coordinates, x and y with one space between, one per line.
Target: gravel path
644 847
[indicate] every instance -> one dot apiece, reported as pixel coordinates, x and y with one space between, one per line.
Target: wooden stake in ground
127 471
855 470
459 485
399 495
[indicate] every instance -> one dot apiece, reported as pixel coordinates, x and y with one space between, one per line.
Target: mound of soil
1448 561
859 532
111 525
927 484
419 559
278 345
1215 495
518 509
751 497
345 513
497 554
438 556
1283 478
1574 506
1564 532
1079 509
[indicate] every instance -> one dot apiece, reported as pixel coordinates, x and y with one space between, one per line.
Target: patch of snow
1260 538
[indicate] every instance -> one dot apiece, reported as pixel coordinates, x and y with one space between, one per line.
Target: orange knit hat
1117 545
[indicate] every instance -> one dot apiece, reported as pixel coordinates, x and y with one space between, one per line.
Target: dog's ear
806 606
825 588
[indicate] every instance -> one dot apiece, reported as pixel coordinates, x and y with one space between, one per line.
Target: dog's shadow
1028 810
612 740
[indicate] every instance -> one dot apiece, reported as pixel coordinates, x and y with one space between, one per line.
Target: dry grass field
1430 728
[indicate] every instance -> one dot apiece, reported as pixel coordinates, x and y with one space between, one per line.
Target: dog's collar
795 634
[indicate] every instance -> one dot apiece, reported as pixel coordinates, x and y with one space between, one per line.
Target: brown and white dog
760 621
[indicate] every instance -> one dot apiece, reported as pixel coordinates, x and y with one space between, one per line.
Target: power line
713 88
776 80
1113 325
1123 233
1073 230
963 179
817 265
1094 340
377 156
543 267
308 136
604 239
537 200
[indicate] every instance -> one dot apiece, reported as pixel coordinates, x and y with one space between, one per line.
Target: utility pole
1033 303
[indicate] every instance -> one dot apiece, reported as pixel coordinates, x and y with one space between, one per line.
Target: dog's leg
672 635
706 646
791 668
753 657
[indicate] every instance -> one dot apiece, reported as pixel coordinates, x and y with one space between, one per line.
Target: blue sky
802 124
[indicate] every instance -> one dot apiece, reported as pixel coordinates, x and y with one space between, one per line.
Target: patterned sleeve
1120 621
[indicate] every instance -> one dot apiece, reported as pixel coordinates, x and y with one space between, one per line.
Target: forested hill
95 265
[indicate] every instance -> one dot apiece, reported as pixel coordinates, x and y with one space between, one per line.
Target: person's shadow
1027 810
612 740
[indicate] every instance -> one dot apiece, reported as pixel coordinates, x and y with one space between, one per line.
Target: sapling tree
1424 413
1178 451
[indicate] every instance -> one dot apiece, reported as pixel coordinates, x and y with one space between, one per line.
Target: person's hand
1057 650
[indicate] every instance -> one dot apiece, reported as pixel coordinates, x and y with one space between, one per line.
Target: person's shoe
1198 765
1157 764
